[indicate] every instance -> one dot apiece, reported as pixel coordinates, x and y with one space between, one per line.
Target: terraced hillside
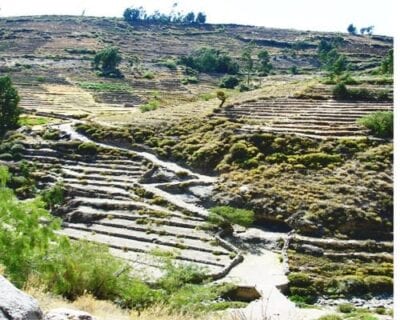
282 146
315 115
111 200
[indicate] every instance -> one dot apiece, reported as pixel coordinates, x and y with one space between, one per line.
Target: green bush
346 308
153 104
210 60
87 148
298 279
380 123
53 196
225 216
148 75
229 82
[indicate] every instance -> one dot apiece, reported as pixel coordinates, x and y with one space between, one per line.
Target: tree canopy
9 110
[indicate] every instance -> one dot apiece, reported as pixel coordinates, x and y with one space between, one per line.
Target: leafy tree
9 110
134 15
265 66
222 97
368 30
387 63
339 65
210 60
352 29
190 18
247 58
201 18
107 61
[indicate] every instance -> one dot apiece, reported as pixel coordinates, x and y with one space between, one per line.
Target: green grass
105 86
33 121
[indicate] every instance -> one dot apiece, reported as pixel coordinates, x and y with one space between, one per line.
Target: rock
310 249
16 305
68 314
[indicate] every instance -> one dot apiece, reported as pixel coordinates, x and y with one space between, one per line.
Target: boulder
16 305
68 314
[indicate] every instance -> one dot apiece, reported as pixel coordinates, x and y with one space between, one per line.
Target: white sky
323 15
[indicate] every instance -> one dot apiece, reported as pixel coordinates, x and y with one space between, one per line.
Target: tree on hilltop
352 29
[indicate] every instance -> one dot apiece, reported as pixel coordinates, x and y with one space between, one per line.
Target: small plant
148 75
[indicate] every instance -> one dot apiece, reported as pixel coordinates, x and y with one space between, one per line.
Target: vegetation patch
105 86
380 124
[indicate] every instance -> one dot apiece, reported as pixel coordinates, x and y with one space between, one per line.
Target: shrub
346 308
107 61
380 123
298 279
241 151
53 196
148 75
330 317
87 148
153 104
224 216
340 91
169 63
191 79
229 82
210 60
9 110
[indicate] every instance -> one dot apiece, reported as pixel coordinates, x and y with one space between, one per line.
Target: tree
190 18
247 58
133 15
387 63
222 97
107 61
265 66
201 17
9 110
367 30
352 29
